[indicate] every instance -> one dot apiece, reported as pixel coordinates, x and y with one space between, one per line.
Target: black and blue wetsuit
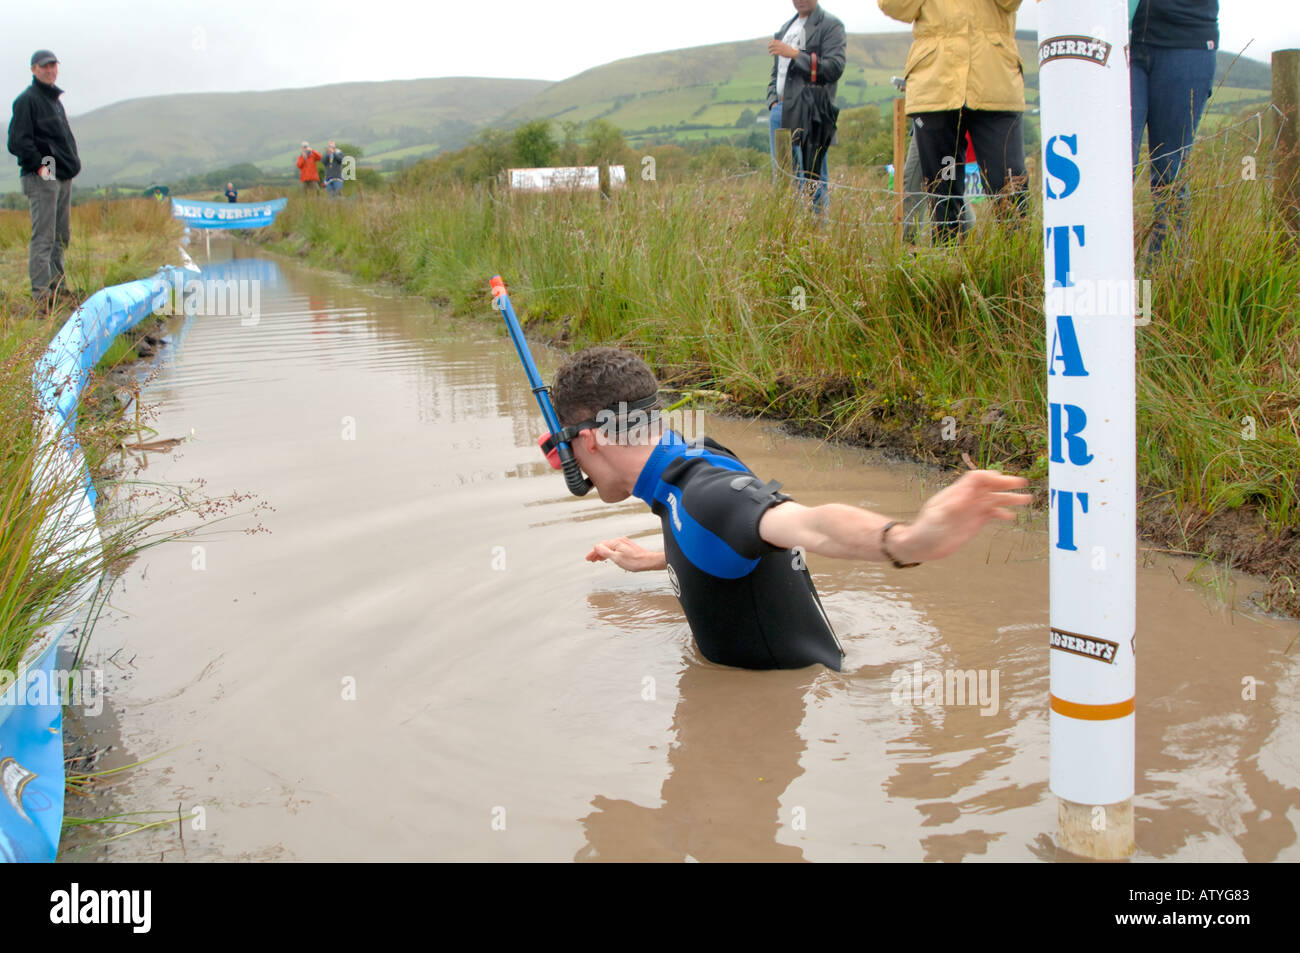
749 603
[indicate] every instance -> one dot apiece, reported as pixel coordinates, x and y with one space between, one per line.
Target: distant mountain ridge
164 138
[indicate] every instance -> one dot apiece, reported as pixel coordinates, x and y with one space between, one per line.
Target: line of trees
531 145
865 139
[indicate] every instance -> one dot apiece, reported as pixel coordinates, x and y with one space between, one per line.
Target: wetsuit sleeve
729 504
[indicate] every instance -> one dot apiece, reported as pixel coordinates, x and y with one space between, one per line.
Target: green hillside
661 94
164 138
704 91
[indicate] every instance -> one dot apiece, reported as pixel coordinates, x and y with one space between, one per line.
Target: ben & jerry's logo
1085 645
1074 48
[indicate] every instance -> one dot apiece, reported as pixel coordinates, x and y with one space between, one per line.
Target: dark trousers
1168 90
999 141
811 181
51 208
914 195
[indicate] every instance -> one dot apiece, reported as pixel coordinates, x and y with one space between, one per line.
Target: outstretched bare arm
947 521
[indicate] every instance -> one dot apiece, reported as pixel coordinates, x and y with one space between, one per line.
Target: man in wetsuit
733 545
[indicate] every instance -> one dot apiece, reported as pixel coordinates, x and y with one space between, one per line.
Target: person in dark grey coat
807 51
40 137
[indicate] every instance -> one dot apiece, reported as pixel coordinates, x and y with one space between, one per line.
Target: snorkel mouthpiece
578 484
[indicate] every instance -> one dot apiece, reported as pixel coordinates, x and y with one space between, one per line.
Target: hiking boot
44 303
63 292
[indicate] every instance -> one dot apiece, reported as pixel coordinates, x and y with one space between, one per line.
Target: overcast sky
130 48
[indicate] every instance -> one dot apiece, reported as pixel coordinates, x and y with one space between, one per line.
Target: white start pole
1083 53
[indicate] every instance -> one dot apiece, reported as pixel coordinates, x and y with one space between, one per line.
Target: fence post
900 155
1286 96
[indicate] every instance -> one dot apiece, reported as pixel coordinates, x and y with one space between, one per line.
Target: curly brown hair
597 378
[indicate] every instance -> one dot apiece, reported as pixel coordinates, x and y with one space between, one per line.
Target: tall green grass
112 242
49 568
705 278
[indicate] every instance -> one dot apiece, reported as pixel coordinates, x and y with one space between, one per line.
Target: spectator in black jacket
807 61
333 162
1173 44
40 137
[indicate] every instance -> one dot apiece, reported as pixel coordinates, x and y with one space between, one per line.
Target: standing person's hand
779 48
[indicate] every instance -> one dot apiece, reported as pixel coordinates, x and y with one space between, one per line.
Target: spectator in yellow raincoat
964 75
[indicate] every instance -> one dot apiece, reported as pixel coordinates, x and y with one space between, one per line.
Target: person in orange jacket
307 172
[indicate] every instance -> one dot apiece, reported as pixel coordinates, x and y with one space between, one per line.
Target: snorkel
556 443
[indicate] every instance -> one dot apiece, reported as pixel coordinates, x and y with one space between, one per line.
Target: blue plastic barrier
31 716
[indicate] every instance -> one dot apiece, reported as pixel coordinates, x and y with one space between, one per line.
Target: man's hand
627 555
955 514
780 48
45 173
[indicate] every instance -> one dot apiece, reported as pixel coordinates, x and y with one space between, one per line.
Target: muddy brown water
416 662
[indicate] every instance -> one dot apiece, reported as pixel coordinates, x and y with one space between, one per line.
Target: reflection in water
734 750
1219 751
261 270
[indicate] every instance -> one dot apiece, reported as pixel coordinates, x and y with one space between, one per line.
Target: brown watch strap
897 565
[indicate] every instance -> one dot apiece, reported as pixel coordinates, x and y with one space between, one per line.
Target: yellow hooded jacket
963 54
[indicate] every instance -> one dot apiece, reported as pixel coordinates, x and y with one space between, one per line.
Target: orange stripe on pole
1091 712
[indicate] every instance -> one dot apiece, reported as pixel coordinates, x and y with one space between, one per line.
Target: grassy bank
44 558
112 242
725 283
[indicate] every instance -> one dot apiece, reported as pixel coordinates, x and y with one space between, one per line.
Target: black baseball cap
44 58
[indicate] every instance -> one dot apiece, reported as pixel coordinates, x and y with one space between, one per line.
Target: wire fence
1141 170
883 214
